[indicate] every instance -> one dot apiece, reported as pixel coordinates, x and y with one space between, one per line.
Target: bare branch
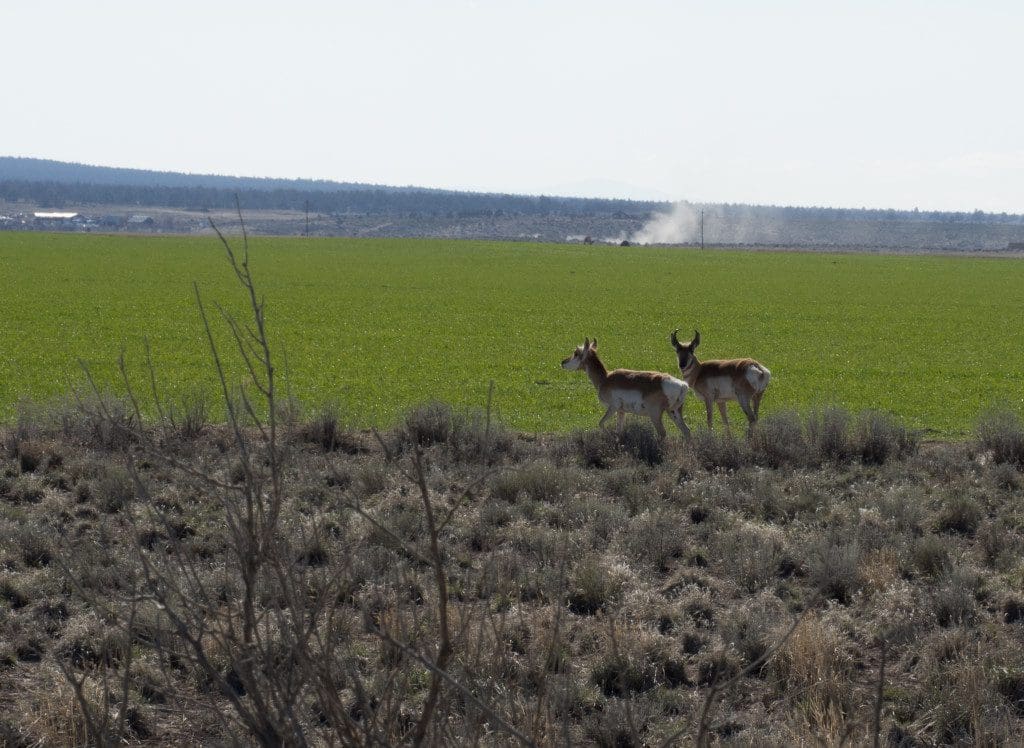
444 649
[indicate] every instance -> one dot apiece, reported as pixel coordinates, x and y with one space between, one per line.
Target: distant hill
56 183
43 170
324 208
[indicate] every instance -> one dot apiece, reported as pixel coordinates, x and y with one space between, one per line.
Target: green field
378 325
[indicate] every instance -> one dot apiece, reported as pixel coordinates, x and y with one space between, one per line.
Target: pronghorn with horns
648 393
741 379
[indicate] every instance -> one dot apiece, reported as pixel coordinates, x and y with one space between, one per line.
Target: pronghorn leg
751 416
708 405
658 425
677 418
725 416
606 416
751 413
755 401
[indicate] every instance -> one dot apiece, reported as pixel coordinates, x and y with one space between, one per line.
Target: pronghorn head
579 356
684 351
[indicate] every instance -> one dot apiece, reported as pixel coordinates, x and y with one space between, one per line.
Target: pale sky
851 104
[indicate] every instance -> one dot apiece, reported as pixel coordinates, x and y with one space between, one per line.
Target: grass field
377 325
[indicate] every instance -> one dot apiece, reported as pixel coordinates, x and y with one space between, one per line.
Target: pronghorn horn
594 345
675 340
696 338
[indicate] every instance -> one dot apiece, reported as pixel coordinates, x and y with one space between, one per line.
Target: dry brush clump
1001 432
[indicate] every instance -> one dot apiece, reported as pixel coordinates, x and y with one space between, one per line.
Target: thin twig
879 695
444 649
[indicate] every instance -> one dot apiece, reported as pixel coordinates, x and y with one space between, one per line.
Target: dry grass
597 588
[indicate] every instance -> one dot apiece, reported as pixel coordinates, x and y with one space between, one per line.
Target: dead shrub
880 569
596 448
812 668
101 421
371 478
13 591
953 600
750 555
1010 685
25 489
87 641
753 627
151 681
31 455
593 587
428 424
1005 476
828 434
113 489
1013 610
717 666
959 514
539 480
632 485
190 417
930 555
479 438
656 539
471 436
621 675
834 568
57 717
617 723
1001 432
720 451
965 702
640 442
34 545
878 437
326 431
779 440
506 486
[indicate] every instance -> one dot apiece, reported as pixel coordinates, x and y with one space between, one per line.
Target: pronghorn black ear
696 338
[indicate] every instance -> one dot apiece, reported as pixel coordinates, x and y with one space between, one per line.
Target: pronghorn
741 379
648 393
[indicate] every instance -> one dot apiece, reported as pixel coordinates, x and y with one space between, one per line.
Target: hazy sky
877 104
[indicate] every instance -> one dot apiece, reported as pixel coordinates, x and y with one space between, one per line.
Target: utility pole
702 228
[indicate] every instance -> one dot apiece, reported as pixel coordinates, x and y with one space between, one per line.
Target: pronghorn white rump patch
675 391
758 376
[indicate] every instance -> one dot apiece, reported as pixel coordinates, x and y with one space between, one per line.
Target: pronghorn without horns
741 379
622 391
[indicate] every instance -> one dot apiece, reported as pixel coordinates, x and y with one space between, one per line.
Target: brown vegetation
593 591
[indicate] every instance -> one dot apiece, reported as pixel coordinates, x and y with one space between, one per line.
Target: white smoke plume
681 226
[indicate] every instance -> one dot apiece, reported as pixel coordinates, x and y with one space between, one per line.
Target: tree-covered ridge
55 184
